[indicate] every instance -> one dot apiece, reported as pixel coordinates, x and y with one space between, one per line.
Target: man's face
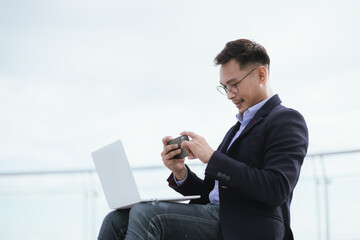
250 92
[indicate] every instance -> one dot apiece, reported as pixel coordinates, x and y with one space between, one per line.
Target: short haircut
245 52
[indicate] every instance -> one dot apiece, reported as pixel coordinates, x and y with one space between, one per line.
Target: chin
241 111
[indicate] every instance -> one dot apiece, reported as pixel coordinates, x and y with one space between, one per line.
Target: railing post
93 206
326 197
85 209
318 205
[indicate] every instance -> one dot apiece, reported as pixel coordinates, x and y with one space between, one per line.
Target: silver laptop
117 180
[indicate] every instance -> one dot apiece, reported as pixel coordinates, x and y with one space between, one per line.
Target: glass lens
221 89
233 88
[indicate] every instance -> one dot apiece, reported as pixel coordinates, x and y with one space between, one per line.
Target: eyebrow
229 81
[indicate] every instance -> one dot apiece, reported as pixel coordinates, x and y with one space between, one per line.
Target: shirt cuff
179 183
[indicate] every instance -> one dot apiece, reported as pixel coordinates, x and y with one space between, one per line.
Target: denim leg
114 225
174 221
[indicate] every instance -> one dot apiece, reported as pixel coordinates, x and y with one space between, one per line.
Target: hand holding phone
178 141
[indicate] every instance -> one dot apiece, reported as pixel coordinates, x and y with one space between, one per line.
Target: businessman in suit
249 180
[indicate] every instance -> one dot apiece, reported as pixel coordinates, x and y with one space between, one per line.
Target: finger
166 139
170 155
190 134
185 145
171 147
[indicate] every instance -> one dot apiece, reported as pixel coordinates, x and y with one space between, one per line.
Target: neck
268 92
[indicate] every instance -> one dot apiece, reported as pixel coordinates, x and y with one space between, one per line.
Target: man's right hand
177 166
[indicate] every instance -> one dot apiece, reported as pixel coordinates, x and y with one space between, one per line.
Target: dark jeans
163 220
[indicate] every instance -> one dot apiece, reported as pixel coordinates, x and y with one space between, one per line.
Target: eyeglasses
232 87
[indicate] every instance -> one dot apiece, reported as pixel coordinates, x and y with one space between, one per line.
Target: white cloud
76 75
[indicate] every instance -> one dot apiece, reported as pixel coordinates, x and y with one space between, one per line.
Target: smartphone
178 141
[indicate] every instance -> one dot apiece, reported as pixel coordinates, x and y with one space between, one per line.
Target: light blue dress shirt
244 119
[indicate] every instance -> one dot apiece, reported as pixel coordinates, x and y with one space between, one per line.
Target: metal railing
83 188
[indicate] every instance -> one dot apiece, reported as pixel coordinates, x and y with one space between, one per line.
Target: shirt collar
245 118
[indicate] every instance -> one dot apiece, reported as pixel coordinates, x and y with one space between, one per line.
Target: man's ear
263 74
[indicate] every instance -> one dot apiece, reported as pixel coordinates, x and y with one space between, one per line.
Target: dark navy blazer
257 174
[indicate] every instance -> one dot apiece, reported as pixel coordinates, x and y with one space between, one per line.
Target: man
249 179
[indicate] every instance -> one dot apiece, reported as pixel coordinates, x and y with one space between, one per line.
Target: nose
230 95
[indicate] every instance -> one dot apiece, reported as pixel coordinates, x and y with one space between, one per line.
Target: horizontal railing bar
47 172
90 170
332 153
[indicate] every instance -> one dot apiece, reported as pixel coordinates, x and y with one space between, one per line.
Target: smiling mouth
238 103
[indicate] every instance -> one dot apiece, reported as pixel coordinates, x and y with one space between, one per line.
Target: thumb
186 145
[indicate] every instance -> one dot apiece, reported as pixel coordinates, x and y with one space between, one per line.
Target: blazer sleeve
193 185
285 137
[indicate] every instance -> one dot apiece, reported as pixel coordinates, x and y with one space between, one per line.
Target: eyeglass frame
233 86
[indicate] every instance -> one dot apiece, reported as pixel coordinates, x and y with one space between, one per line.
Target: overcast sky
76 75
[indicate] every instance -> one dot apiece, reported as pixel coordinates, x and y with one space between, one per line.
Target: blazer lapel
259 116
229 136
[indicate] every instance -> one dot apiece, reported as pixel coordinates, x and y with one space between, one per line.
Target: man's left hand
197 147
